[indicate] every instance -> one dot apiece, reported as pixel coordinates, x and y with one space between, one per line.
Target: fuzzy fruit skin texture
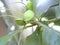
28 15
29 5
20 22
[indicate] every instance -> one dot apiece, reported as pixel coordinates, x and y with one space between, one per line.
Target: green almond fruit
20 22
28 15
29 5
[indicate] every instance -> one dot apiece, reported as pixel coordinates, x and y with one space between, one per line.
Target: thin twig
52 20
15 17
15 37
20 37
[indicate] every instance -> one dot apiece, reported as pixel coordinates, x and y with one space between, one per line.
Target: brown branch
30 26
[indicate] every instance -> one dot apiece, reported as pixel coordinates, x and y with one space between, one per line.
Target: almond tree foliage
43 35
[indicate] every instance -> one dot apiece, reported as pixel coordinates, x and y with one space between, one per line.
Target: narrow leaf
4 39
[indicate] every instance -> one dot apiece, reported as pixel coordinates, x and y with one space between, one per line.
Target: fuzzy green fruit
29 5
28 15
20 22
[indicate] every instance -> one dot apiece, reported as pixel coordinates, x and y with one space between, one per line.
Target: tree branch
52 20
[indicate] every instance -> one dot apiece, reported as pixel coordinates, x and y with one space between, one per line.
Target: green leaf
28 15
29 5
58 1
57 11
20 22
50 14
57 22
42 8
35 38
49 35
5 39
